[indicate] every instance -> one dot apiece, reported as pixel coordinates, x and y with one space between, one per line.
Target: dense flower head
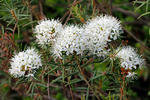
101 30
70 40
129 58
24 63
47 30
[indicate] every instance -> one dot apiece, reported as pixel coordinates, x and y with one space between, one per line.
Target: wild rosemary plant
78 59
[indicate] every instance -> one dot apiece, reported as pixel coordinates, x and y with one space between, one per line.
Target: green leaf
95 77
74 81
143 15
56 67
87 93
140 6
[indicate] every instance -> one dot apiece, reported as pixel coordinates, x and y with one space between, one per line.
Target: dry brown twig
144 20
69 12
135 38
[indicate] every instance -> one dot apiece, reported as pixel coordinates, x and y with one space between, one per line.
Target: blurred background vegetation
19 17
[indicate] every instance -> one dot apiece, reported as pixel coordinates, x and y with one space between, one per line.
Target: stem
94 7
81 72
48 88
122 88
16 19
70 90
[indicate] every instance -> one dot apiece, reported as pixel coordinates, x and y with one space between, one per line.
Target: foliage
75 77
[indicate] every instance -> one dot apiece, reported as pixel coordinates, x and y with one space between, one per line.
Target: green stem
81 72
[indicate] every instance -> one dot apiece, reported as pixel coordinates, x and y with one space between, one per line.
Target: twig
69 12
30 9
48 88
75 2
81 72
41 9
127 12
70 90
62 19
143 20
137 23
94 7
16 19
14 29
67 18
138 40
110 6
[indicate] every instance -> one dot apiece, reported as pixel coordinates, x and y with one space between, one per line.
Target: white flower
25 63
129 59
101 30
69 41
131 75
47 30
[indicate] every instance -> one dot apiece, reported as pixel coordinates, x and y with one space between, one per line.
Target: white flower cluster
47 30
25 63
69 41
100 31
93 36
129 59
